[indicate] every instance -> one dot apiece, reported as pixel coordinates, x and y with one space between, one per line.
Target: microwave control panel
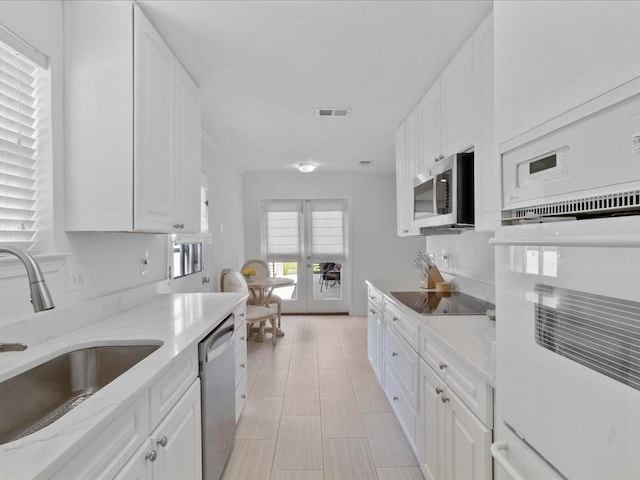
544 168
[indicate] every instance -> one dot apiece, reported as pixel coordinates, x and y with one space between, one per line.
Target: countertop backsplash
54 323
467 260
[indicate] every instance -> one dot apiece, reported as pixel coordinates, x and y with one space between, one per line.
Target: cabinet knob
372 311
442 365
439 390
243 396
394 354
242 365
445 399
163 441
395 399
395 319
151 456
242 338
405 231
242 314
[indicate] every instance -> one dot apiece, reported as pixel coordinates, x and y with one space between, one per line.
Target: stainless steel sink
38 397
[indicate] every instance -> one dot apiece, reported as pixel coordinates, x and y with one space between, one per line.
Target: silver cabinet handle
243 396
395 319
242 314
442 365
439 390
405 231
242 365
182 225
176 225
205 280
445 399
395 399
163 441
372 311
151 456
394 354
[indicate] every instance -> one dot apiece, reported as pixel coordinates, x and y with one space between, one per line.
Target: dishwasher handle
218 341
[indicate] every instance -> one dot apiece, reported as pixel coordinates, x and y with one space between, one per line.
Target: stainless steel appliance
443 196
217 377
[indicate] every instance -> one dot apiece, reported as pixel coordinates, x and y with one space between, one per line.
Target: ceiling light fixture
306 167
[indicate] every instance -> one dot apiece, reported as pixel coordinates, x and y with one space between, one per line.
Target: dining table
261 289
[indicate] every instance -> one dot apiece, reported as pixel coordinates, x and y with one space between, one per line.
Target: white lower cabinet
452 443
174 448
240 346
375 333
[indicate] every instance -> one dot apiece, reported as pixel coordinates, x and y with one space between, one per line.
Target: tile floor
315 410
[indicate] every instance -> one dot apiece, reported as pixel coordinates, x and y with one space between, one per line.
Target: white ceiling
264 68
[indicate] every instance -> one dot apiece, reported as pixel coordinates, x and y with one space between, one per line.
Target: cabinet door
456 87
486 159
404 187
374 335
430 135
153 126
430 428
178 439
139 466
187 160
468 443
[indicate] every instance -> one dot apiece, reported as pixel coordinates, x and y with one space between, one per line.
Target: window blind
18 148
327 233
282 229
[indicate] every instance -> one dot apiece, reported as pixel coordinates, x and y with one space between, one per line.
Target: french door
307 240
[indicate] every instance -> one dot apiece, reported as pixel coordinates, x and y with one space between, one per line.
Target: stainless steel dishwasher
217 376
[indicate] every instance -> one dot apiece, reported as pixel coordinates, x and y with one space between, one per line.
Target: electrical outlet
76 277
144 263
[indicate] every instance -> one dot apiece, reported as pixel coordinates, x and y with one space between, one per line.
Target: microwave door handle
498 450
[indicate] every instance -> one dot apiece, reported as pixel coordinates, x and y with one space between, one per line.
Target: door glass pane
287 270
327 281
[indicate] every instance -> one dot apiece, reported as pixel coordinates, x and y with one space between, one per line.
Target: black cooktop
443 303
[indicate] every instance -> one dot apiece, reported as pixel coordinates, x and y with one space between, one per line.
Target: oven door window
443 192
423 205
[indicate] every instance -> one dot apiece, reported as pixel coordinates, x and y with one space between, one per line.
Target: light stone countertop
470 337
179 321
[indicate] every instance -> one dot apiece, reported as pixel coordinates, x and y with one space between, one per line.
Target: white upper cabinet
487 184
404 185
553 56
456 102
455 115
430 136
132 119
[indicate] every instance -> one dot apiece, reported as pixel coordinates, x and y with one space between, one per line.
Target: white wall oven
568 344
568 302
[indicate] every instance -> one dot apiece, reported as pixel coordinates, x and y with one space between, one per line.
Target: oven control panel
544 168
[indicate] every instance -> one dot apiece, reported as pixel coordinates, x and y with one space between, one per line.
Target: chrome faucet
40 296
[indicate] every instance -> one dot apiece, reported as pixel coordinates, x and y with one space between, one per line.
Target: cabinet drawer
241 395
401 402
170 387
106 454
241 365
375 297
406 326
463 381
405 361
240 335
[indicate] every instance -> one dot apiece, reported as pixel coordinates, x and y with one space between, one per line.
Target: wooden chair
262 271
233 281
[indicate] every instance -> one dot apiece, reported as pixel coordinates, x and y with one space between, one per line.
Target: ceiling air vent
366 163
333 112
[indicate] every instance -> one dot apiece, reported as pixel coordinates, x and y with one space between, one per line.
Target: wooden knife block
435 281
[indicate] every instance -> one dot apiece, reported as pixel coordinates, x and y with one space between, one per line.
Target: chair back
232 281
260 266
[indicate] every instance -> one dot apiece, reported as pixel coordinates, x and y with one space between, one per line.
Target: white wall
376 252
471 265
110 261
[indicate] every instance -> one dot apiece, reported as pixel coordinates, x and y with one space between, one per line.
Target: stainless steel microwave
443 196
